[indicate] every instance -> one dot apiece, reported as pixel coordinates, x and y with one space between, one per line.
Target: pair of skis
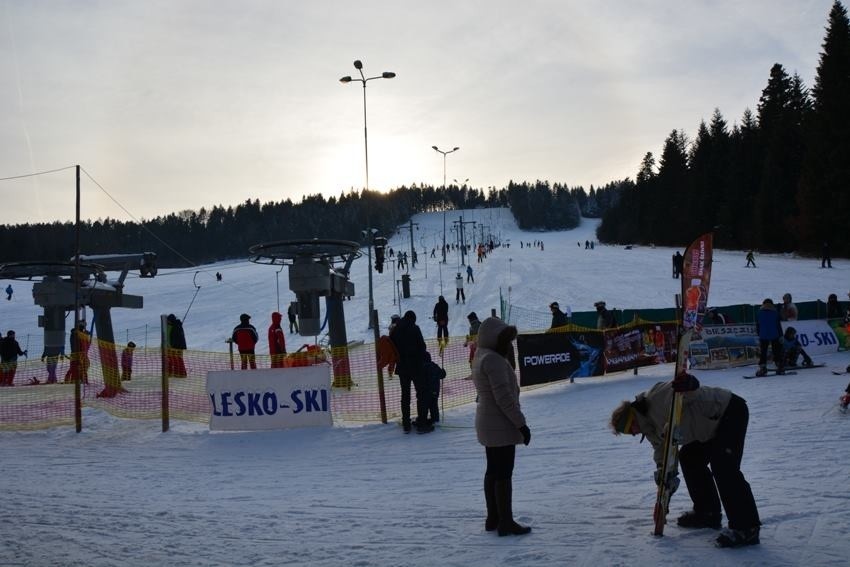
695 277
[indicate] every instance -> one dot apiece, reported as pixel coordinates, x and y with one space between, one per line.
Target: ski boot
738 538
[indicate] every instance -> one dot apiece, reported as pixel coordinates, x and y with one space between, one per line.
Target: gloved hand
685 383
526 434
672 480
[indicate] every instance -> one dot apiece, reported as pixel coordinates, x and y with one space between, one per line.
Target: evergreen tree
824 196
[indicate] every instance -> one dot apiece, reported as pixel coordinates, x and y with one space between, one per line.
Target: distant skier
459 295
9 291
678 264
826 257
292 314
751 259
441 317
469 278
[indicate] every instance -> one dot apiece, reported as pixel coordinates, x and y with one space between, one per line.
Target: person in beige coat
499 421
712 431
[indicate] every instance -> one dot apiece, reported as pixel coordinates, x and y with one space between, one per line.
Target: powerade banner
557 356
270 398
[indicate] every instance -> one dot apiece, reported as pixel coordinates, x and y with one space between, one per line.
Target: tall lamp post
438 150
363 79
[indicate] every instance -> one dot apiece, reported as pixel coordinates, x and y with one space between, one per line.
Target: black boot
504 496
492 521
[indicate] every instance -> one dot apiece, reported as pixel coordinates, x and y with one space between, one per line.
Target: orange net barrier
134 390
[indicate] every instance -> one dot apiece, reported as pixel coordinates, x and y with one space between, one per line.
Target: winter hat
131 344
472 316
623 418
244 317
554 305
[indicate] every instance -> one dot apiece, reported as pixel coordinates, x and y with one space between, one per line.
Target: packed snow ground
123 493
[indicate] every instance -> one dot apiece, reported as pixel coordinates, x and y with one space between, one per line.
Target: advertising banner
724 346
550 357
270 398
645 344
815 336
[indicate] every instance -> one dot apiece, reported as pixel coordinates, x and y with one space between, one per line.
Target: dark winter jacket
174 335
441 311
559 319
768 326
498 416
10 349
408 341
245 336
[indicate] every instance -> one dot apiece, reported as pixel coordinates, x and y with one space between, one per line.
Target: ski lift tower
313 274
63 287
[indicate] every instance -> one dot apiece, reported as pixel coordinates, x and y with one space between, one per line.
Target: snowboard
771 373
801 367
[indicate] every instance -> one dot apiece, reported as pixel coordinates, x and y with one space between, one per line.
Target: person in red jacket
245 336
277 342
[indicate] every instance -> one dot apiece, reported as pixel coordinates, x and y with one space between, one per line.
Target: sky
175 105
121 493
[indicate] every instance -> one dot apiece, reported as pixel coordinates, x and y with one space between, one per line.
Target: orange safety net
31 401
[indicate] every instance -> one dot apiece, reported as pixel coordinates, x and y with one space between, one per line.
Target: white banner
815 336
270 398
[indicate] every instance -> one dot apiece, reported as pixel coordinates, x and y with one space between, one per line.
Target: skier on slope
712 429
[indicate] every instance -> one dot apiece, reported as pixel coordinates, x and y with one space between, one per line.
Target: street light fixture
438 150
363 79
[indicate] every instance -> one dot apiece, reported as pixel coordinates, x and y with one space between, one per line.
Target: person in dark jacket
80 341
499 422
441 316
769 330
408 341
277 341
127 361
245 336
471 340
176 340
435 376
559 318
10 350
604 318
712 431
833 308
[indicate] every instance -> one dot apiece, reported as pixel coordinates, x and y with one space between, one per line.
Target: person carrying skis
277 342
712 430
245 336
769 330
792 349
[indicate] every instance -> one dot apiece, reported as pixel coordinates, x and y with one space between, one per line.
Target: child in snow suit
127 361
792 348
435 375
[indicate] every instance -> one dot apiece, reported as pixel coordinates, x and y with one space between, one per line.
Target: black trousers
500 462
724 482
776 347
423 397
